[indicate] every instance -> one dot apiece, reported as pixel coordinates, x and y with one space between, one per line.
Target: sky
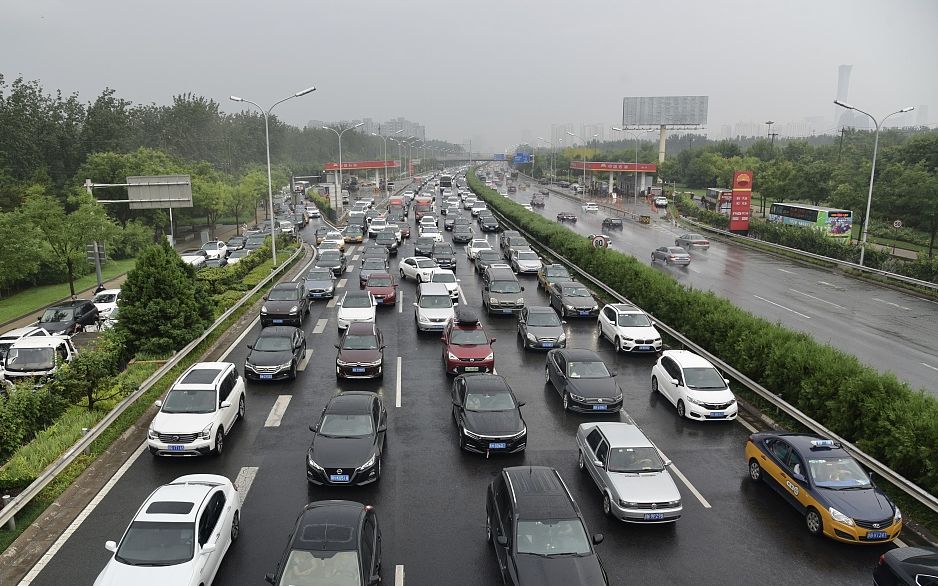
496 73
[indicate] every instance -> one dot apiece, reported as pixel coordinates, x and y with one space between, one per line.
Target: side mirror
225 404
675 382
502 540
563 322
459 280
613 373
798 477
522 288
442 339
491 340
269 578
158 403
207 549
383 427
597 538
598 463
336 346
727 381
265 298
314 427
415 305
250 346
521 403
110 545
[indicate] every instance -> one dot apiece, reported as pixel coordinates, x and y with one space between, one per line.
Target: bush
23 413
130 241
323 204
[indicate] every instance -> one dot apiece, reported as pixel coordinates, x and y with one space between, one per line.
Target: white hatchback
693 386
475 245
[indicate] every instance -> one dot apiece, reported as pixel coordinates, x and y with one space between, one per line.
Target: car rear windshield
425 263
190 401
379 281
29 359
505 287
282 294
149 543
677 250
443 278
643 459
374 264
321 568
587 369
634 320
554 537
346 425
705 378
435 301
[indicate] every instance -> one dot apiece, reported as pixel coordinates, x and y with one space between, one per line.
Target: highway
887 329
430 500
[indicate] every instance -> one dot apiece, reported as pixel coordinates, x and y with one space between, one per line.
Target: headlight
312 463
207 431
452 356
369 463
493 301
532 337
840 517
285 365
897 517
294 309
570 307
491 356
470 434
576 397
627 504
520 300
562 338
248 365
693 400
151 433
263 309
628 339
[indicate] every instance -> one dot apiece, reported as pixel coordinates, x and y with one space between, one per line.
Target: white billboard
658 110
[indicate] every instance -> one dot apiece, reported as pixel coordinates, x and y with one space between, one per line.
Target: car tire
378 469
681 409
462 440
755 470
546 375
235 527
654 384
618 344
814 522
241 408
403 276
219 442
566 401
293 371
580 461
488 529
607 505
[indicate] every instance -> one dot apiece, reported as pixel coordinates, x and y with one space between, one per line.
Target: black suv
444 255
68 318
286 303
613 223
538 531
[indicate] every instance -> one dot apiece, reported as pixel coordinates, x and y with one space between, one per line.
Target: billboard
741 202
613 166
353 165
498 157
658 110
523 158
159 191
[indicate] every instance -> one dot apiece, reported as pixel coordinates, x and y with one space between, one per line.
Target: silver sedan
672 255
692 240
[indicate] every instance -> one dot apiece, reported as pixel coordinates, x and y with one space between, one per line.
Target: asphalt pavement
430 499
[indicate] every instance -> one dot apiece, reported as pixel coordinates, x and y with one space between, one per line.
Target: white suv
628 328
199 411
694 386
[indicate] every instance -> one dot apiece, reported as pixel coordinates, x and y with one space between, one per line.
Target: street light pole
270 188
384 138
583 187
550 145
338 196
869 197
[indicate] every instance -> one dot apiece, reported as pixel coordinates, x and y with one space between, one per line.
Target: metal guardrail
904 484
15 504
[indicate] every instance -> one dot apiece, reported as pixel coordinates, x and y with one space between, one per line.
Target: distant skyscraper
842 116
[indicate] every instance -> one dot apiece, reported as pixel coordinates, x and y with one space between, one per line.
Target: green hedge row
882 415
322 202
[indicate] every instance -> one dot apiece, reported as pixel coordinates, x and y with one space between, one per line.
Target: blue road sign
522 158
499 157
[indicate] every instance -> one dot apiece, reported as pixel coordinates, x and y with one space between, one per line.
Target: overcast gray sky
487 70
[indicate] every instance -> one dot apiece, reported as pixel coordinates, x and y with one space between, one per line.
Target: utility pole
840 152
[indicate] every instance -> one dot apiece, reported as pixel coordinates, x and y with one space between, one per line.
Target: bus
446 180
829 221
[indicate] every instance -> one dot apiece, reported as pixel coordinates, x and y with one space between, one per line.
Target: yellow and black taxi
823 481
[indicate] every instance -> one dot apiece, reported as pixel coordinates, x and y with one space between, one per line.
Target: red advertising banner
358 165
742 201
605 166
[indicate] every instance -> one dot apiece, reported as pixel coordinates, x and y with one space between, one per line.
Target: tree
19 260
245 195
911 192
160 308
67 234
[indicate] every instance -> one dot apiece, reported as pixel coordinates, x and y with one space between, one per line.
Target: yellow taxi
822 480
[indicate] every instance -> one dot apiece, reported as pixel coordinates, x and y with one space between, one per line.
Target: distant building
842 116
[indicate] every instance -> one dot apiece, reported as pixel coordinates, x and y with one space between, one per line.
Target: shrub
323 204
23 413
130 241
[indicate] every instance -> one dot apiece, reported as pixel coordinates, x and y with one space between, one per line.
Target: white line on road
342 283
928 366
789 272
332 302
900 543
397 399
84 514
304 362
244 481
686 482
354 257
746 424
783 307
321 325
277 411
892 304
400 301
826 284
399 575
816 298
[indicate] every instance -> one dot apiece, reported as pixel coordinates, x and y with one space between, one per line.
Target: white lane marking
399 575
783 307
84 514
354 257
784 271
687 483
240 338
746 424
400 299
321 325
900 543
304 362
462 296
342 283
928 366
277 411
244 481
332 302
816 298
397 399
826 284
892 304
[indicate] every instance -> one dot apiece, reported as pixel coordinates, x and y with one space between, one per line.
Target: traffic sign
600 241
897 224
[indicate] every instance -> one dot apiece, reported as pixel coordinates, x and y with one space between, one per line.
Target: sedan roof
620 434
328 526
351 402
579 354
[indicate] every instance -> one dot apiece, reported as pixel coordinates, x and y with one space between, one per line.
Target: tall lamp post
550 145
400 155
270 187
636 139
584 141
338 196
385 139
869 197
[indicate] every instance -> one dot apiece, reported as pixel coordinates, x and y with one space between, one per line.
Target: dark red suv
466 346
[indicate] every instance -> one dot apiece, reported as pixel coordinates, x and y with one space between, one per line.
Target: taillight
882 560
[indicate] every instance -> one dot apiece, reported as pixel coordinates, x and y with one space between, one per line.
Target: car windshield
374 264
190 401
56 315
274 344
356 301
425 263
489 401
435 301
345 425
379 281
488 255
676 250
443 278
505 287
386 237
591 369
29 359
704 378
105 298
557 272
282 295
149 543
321 568
552 537
360 342
527 256
838 473
468 337
644 459
543 319
633 320
575 292
319 275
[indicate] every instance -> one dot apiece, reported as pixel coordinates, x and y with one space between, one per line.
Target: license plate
507 311
547 344
717 414
600 407
497 446
644 347
471 368
654 516
877 535
358 369
266 376
338 478
278 321
177 448
584 313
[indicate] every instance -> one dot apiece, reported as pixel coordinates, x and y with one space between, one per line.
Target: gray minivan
501 291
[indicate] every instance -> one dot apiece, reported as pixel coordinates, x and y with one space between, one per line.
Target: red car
405 230
383 287
466 346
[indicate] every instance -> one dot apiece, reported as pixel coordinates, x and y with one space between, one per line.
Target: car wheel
220 441
654 384
403 276
580 461
681 411
566 401
241 408
599 330
235 526
378 469
618 344
546 375
668 262
462 440
488 529
293 371
755 470
814 522
607 505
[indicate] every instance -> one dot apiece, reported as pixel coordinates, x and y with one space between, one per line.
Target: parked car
466 346
692 240
672 255
488 415
360 352
383 287
320 283
572 299
628 328
275 354
105 301
348 440
540 328
694 386
566 217
68 317
583 381
32 357
286 303
356 306
196 257
610 223
8 338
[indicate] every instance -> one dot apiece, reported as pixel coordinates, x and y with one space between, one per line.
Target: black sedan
484 258
333 542
487 415
348 441
540 328
582 379
444 255
275 354
462 234
907 566
387 239
489 224
566 217
449 222
572 299
423 246
332 259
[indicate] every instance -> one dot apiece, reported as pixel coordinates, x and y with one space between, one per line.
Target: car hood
530 264
712 397
867 504
605 388
641 333
471 351
437 313
181 422
118 574
346 355
546 331
325 263
356 313
319 284
380 291
280 306
262 358
56 327
558 571
341 452
493 422
645 487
